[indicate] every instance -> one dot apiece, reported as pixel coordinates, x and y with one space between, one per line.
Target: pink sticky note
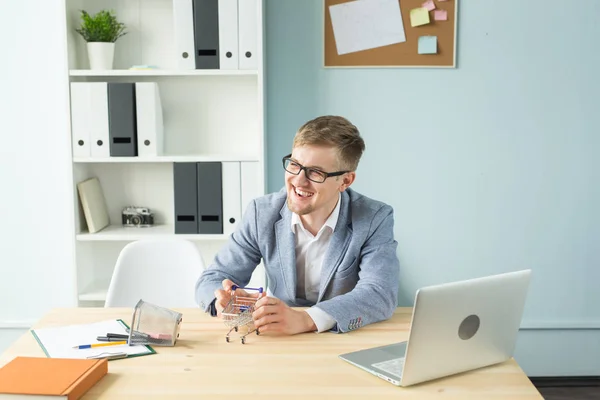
429 5
440 15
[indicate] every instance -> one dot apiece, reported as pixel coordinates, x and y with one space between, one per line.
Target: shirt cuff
322 320
212 308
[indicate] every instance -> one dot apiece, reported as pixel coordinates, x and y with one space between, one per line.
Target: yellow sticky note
419 16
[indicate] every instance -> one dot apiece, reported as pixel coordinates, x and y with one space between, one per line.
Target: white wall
36 235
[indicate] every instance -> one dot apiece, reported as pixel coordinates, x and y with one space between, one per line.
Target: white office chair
162 272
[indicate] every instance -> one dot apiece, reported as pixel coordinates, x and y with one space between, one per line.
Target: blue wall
490 167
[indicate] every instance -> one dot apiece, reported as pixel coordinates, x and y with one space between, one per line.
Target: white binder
183 30
149 116
98 119
248 34
249 171
80 110
228 34
232 211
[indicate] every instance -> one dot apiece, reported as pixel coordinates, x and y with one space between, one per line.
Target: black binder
185 197
122 125
210 197
206 33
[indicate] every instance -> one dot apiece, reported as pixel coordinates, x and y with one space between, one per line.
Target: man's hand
272 315
223 296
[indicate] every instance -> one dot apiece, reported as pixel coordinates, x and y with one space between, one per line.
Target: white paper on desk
366 24
58 341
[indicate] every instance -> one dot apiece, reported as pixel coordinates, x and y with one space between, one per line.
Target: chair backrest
162 272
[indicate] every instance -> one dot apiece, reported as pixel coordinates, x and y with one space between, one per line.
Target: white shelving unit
209 115
117 233
166 159
136 73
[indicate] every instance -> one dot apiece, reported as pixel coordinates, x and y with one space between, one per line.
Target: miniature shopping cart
238 312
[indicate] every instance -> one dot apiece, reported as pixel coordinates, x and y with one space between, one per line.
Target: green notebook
58 342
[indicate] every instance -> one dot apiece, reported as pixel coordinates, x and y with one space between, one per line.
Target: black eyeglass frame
307 169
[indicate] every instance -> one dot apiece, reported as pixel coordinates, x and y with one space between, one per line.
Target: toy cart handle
234 287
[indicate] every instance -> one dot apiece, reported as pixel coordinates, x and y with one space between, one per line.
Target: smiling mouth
302 193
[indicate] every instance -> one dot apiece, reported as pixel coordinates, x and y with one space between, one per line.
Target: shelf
120 233
163 159
161 72
95 292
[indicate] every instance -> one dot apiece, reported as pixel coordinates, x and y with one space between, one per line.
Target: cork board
403 54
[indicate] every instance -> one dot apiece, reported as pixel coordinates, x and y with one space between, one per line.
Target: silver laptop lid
464 325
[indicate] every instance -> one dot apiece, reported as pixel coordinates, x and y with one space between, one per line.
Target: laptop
455 327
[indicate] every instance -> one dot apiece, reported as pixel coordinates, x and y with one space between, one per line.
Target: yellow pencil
89 346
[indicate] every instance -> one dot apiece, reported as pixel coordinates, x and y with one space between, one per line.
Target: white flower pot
101 55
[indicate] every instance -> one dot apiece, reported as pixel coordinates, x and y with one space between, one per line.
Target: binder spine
206 34
122 119
100 140
183 29
248 34
210 198
150 127
80 110
185 193
231 196
228 34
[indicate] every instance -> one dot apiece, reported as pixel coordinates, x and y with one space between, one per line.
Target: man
324 246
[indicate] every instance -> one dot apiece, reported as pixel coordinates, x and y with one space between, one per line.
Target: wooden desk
202 365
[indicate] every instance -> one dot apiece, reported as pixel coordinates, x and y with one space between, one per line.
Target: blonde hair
334 131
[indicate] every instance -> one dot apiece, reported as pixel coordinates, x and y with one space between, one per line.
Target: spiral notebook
58 342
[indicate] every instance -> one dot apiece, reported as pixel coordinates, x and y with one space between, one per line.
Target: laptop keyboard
392 367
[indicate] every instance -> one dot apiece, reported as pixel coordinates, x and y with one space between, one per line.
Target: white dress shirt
310 251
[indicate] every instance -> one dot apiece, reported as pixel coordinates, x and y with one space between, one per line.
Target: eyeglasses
311 174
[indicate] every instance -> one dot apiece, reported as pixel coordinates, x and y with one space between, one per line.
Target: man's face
305 196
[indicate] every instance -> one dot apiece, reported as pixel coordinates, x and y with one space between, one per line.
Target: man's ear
347 180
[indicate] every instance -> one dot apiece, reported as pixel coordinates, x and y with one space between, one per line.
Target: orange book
50 378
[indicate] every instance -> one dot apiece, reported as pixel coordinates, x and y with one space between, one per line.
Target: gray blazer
360 273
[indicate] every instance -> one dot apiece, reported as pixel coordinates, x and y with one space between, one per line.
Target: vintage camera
139 217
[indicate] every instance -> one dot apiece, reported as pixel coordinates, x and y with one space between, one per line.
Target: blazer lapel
286 246
338 244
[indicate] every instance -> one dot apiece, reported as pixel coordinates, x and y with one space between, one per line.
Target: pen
109 356
117 335
149 336
110 339
89 346
124 335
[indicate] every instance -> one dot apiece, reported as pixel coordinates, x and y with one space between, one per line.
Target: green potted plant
100 31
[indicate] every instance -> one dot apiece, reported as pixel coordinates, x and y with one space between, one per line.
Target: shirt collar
331 222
